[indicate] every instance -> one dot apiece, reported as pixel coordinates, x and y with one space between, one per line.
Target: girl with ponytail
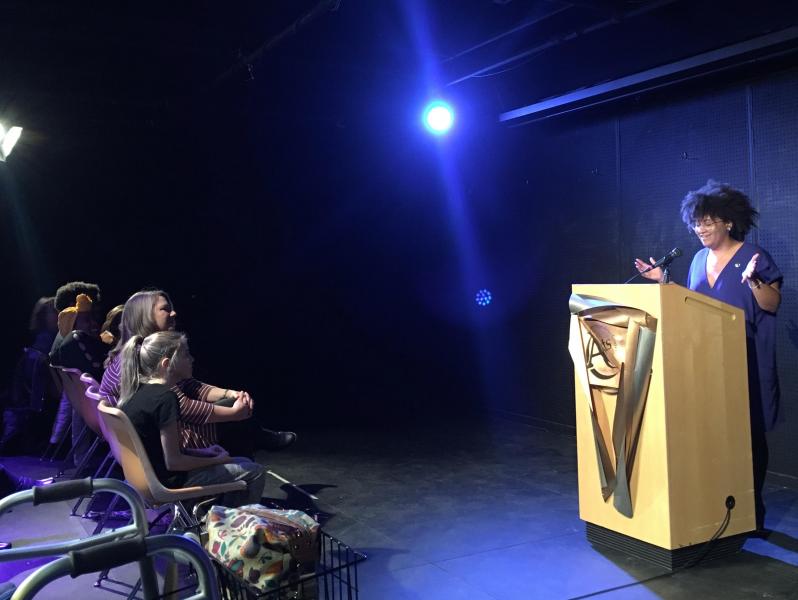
202 406
150 368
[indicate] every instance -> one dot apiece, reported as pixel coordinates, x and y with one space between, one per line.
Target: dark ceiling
153 54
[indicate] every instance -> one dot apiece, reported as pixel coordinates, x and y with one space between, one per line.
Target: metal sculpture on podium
662 421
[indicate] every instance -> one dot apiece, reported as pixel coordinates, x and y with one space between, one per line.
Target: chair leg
101 472
86 458
100 524
188 520
177 521
71 452
108 460
56 447
168 510
108 512
80 467
64 409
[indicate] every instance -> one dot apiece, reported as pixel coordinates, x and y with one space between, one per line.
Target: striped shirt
192 395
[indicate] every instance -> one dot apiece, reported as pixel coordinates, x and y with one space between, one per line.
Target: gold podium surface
694 444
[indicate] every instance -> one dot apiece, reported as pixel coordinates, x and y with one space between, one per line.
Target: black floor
475 511
489 511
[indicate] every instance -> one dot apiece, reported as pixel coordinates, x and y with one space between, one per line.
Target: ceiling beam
756 49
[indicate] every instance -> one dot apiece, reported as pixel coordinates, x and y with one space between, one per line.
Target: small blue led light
483 297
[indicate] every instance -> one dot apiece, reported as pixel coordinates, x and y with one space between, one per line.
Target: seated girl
151 367
201 405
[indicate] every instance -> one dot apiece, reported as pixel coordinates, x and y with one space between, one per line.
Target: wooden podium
694 443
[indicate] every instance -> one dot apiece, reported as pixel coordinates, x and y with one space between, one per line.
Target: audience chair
108 463
129 452
86 408
58 436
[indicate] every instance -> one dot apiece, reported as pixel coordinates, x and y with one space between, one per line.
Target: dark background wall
324 252
607 189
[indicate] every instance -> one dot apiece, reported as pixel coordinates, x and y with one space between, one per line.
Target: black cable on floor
689 565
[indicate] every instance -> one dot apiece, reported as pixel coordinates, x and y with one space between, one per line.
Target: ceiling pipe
515 29
573 35
761 48
248 61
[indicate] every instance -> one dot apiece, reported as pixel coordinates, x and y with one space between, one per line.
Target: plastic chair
58 436
75 390
93 394
130 453
108 463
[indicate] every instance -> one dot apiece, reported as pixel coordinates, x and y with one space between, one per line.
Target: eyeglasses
706 223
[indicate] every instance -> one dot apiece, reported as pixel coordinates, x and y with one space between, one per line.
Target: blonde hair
141 357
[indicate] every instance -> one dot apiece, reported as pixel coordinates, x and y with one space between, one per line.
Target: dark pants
759 444
759 457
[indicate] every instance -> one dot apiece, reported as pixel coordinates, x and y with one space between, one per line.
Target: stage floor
471 511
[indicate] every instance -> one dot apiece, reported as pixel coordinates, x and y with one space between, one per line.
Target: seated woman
201 405
78 346
33 397
151 367
109 332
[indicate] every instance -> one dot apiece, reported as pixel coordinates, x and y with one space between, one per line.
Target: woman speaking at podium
744 275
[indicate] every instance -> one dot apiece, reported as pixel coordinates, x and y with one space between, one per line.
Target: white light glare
7 140
438 117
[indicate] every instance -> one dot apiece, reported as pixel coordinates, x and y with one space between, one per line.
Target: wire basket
335 578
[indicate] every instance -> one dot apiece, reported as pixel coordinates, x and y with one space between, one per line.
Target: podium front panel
693 448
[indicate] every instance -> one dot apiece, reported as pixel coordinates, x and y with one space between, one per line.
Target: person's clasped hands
243 406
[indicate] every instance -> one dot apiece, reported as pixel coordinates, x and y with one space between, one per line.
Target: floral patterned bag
264 547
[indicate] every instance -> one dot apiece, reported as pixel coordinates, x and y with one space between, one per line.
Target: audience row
194 433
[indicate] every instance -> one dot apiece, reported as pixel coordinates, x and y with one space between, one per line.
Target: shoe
274 440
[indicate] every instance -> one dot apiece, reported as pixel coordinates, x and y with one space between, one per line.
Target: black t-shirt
153 407
80 350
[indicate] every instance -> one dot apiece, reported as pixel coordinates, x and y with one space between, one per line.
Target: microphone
662 262
665 260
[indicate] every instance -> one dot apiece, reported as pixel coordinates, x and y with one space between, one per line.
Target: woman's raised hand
750 270
654 274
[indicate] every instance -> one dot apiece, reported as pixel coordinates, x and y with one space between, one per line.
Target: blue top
760 325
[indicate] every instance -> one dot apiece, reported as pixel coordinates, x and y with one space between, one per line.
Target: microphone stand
666 275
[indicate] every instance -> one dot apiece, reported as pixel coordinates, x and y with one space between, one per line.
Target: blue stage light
438 117
484 297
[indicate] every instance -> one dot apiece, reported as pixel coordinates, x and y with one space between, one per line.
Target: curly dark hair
67 293
720 201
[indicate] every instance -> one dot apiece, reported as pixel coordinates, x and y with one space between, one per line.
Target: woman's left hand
216 450
749 274
248 401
